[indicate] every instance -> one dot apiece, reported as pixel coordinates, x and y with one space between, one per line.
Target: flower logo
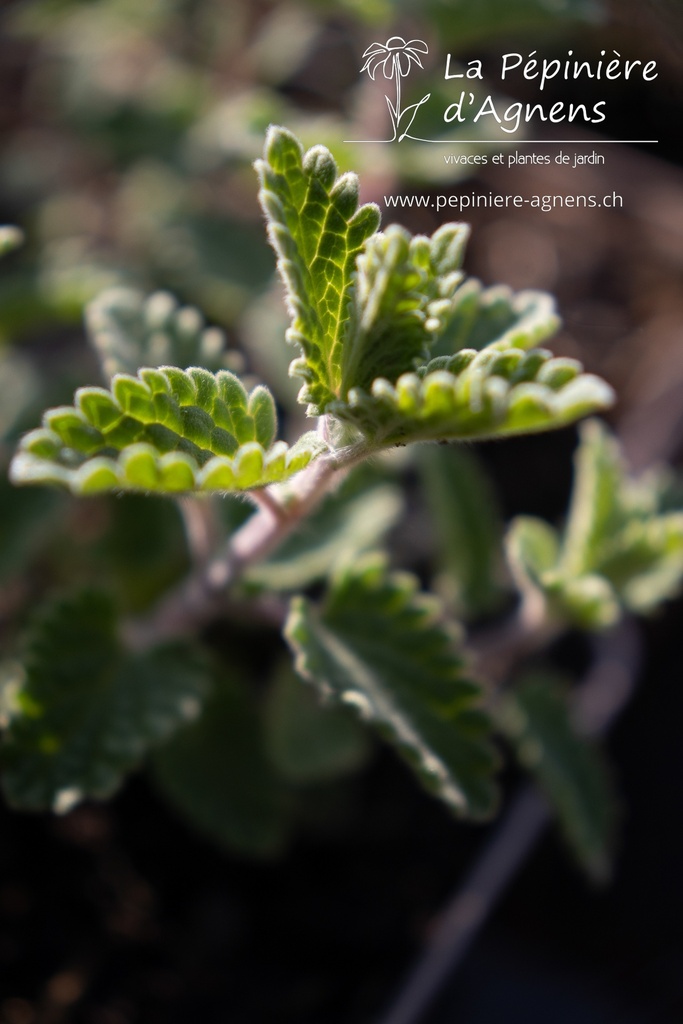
396 57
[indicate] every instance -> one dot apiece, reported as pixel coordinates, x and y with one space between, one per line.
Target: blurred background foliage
127 135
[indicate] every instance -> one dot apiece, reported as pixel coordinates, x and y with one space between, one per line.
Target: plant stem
199 598
499 648
468 910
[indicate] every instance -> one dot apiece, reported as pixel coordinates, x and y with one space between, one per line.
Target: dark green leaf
86 712
217 774
468 528
569 769
307 741
377 646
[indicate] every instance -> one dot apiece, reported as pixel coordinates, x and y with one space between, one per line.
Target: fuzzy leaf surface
168 431
377 646
492 393
216 773
317 231
405 296
128 330
86 712
497 316
568 768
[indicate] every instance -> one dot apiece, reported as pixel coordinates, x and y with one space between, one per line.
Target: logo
395 58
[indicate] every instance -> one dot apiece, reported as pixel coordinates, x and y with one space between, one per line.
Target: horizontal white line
517 142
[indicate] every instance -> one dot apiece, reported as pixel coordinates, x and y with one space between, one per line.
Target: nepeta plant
394 345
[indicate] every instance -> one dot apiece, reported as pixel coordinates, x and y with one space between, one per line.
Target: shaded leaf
143 549
485 316
307 741
28 522
216 773
468 527
128 330
167 430
568 767
86 712
377 646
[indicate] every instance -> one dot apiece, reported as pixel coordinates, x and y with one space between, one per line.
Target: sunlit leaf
317 230
492 393
167 430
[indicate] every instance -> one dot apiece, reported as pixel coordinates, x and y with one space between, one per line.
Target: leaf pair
620 548
368 308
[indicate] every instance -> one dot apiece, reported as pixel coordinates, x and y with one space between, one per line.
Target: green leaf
492 393
378 646
128 330
142 550
406 293
486 316
467 526
622 547
86 712
533 550
28 523
167 430
596 511
307 741
367 308
217 774
19 388
350 521
317 231
568 768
